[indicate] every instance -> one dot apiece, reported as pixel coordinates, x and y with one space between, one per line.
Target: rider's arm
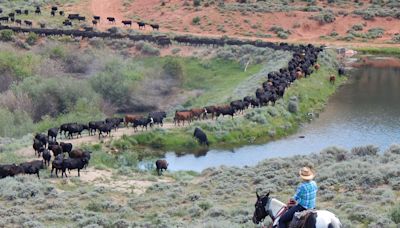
298 193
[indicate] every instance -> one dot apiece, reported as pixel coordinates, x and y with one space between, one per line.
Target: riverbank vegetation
390 51
307 97
360 186
55 82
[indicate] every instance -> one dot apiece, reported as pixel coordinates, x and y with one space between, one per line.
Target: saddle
300 218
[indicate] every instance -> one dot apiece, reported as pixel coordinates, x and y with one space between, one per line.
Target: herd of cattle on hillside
55 11
303 63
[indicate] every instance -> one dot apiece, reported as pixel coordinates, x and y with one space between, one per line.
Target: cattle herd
11 18
302 64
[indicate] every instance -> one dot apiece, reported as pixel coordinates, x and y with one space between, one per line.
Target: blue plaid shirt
306 194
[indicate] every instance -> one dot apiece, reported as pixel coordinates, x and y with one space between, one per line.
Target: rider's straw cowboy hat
306 173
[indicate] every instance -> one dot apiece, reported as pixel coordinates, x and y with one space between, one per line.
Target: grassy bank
393 51
360 186
308 95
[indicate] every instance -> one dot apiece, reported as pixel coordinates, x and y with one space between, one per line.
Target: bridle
268 211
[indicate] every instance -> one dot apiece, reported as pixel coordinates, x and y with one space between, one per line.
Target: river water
364 111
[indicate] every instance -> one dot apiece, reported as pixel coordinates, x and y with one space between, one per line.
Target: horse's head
260 213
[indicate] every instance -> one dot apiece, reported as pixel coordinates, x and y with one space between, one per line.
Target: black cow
210 110
341 71
57 164
28 23
81 18
200 136
111 20
54 8
67 23
105 128
37 145
26 12
18 22
73 16
42 138
97 18
42 25
66 147
127 22
94 125
239 105
73 163
18 11
52 133
53 13
61 13
155 26
78 153
225 110
141 25
94 22
115 122
38 11
157 117
142 122
32 167
51 143
46 155
76 129
4 19
160 165
10 170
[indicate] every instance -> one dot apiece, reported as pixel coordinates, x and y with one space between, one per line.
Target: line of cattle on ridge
302 64
11 18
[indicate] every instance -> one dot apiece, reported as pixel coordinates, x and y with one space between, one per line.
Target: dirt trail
86 139
107 8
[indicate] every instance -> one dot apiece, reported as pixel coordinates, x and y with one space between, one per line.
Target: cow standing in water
160 165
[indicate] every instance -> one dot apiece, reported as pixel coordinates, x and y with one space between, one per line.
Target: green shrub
196 20
149 49
357 27
396 38
32 38
6 35
173 68
196 3
324 18
395 214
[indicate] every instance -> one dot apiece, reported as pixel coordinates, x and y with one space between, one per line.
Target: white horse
267 206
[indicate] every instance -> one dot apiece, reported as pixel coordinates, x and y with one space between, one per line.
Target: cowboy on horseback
305 197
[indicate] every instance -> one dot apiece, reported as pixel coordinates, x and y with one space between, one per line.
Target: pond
364 111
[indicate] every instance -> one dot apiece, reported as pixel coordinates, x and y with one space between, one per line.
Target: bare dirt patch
175 17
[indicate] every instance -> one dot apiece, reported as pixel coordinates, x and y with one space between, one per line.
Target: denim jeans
287 217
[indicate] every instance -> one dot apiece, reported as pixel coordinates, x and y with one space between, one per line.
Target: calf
200 136
182 116
73 163
160 165
46 156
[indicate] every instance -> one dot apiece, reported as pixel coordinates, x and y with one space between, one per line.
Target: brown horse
332 79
